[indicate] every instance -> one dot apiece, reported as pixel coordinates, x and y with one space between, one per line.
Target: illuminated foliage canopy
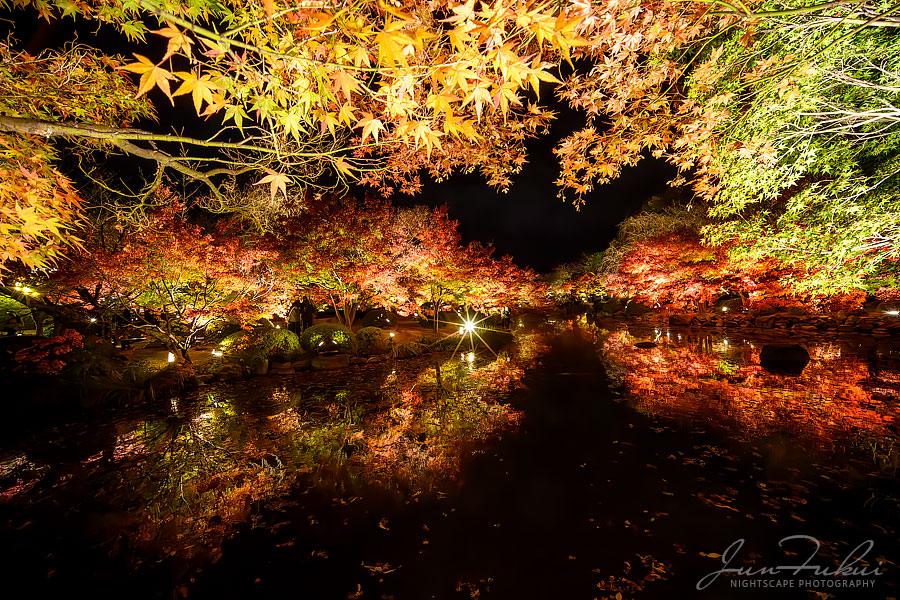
315 93
348 254
783 117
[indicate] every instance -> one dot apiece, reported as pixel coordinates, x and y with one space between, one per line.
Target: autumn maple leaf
152 76
277 181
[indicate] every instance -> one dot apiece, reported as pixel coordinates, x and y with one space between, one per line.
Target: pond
573 465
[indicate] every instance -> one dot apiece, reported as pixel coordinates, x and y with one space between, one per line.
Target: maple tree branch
168 161
48 129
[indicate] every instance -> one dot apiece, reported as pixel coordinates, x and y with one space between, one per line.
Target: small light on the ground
470 357
93 319
893 312
724 309
217 353
392 334
171 357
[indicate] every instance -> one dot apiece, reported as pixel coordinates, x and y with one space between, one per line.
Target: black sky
529 222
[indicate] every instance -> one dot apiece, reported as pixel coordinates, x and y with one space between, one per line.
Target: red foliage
47 357
347 254
837 399
678 269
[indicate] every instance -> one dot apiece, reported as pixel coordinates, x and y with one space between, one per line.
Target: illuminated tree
432 263
173 279
660 258
331 249
785 117
351 254
312 95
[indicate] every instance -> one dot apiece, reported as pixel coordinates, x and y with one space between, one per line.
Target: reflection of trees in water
838 402
190 472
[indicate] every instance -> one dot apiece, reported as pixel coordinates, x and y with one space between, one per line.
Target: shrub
252 346
329 332
280 340
230 341
372 340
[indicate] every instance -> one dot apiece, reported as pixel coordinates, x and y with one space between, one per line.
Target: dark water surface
573 466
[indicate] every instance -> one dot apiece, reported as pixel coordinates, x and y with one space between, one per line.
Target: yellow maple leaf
152 76
277 181
462 12
177 41
370 126
201 88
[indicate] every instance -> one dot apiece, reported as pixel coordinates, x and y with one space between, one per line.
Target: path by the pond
585 498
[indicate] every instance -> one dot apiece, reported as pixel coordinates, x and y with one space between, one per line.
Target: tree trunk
434 307
38 317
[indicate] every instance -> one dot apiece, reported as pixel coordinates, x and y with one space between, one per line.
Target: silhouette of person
295 317
13 323
307 312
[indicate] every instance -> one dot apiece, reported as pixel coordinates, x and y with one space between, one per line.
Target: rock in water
330 361
281 368
230 372
784 359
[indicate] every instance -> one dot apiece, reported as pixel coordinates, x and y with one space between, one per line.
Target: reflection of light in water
11 464
721 347
130 443
204 416
830 405
825 352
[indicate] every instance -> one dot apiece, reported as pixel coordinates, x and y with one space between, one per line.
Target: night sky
529 222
